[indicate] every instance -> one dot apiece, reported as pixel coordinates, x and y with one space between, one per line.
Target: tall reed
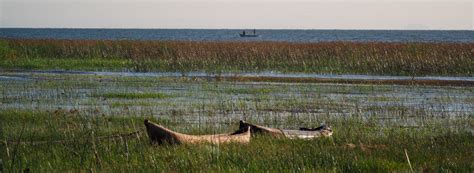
183 56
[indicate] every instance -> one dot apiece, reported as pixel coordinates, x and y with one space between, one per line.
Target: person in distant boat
243 32
253 31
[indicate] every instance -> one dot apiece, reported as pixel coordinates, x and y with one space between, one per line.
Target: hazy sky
276 14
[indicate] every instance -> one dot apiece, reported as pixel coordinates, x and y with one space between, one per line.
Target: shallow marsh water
24 74
197 99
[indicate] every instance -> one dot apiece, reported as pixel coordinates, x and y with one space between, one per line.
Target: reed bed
450 59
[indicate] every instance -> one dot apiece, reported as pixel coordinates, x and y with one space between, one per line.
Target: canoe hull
160 134
323 131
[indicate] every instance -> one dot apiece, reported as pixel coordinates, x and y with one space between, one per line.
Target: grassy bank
450 59
356 147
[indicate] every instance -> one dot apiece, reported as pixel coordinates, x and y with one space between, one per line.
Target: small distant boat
246 34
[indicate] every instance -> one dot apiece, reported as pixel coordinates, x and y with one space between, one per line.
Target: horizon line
185 28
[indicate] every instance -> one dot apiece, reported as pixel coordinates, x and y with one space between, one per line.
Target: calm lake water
242 74
233 35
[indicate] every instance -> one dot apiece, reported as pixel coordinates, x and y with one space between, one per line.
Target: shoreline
271 77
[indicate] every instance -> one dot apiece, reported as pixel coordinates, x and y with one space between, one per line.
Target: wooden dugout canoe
160 134
302 133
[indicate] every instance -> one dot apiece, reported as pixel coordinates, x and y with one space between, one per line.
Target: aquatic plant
79 123
455 59
133 95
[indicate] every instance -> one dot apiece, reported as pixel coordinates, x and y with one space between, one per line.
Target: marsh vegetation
94 121
63 122
410 59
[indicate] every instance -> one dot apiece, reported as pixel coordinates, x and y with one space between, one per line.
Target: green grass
382 99
247 91
429 148
134 95
91 64
124 104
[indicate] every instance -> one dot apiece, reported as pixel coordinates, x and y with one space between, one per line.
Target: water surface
233 35
248 74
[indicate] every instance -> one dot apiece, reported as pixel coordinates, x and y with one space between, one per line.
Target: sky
238 14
